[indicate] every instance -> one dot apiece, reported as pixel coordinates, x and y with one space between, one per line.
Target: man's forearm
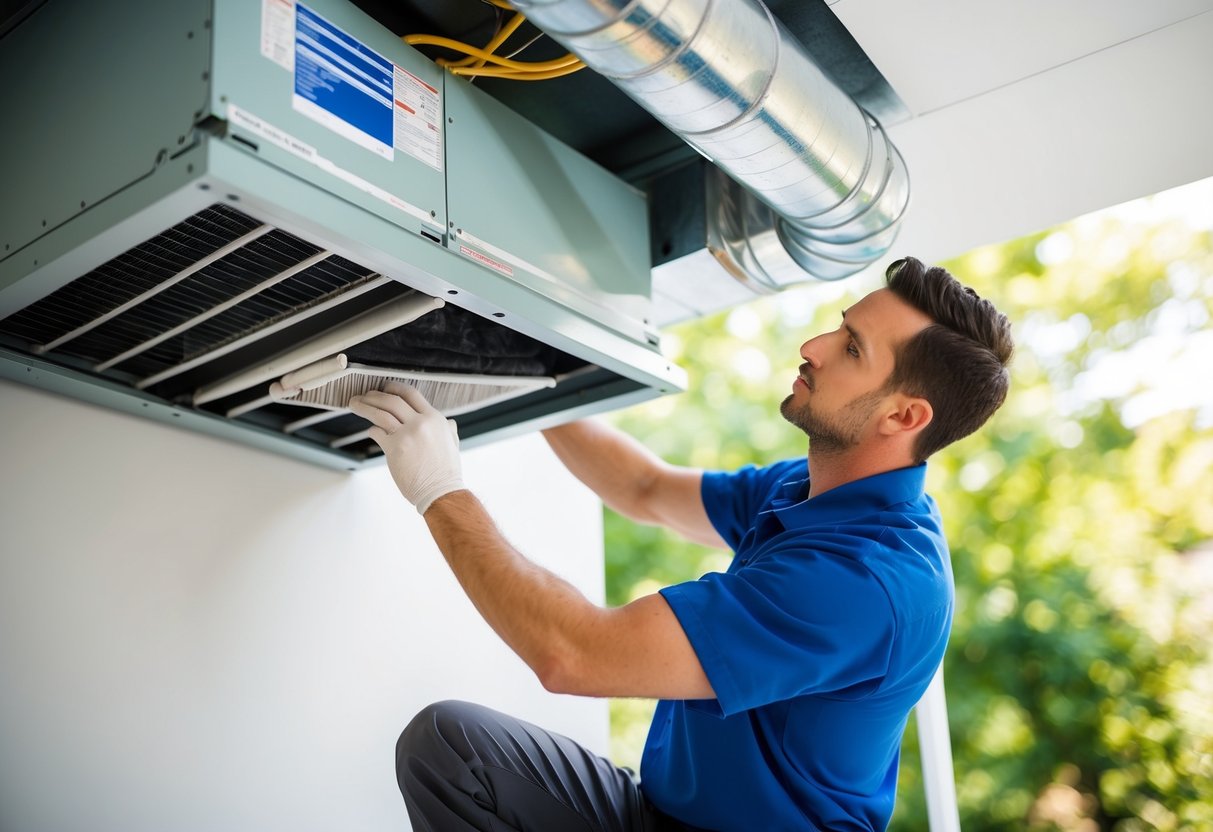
573 646
614 465
538 614
633 480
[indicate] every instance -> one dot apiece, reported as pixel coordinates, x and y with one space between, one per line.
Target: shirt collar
854 499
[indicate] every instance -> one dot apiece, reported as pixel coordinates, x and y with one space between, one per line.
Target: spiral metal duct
737 86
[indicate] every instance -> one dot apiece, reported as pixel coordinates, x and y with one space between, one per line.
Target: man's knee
424 735
439 729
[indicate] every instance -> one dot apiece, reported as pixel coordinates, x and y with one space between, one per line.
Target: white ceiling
938 52
1030 113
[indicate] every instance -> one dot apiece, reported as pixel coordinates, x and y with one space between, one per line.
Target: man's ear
906 414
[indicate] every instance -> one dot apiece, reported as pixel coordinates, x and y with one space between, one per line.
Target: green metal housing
125 119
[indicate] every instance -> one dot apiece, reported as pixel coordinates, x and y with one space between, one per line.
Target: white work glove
421 445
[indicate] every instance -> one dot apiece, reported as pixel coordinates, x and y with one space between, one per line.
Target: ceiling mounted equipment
815 189
258 207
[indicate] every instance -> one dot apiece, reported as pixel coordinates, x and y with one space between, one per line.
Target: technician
786 681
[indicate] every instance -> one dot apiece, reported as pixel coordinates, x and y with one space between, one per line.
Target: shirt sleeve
733 499
798 621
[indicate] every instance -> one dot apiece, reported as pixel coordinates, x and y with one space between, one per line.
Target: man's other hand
421 445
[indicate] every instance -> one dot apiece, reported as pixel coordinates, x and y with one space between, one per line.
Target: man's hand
421 445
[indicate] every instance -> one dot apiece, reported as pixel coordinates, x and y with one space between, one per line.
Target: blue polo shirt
818 641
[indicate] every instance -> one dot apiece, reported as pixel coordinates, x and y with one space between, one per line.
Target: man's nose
809 351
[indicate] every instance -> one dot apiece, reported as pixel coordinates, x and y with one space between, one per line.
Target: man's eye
852 350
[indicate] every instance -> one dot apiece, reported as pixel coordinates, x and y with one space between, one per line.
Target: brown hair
958 363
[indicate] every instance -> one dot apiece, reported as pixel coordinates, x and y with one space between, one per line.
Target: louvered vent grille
126 277
322 281
201 303
158 263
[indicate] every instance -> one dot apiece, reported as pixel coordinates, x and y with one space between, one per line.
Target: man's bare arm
633 480
573 646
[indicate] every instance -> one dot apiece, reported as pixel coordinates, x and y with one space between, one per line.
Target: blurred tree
1079 673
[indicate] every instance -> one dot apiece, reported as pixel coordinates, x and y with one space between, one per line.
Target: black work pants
465 767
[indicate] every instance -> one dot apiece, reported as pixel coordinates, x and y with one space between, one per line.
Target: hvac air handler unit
231 215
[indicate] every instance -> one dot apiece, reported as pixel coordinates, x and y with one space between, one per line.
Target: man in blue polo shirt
786 681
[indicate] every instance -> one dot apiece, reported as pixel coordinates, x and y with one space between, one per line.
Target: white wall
199 636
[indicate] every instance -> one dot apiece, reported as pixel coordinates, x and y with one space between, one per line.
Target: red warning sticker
484 259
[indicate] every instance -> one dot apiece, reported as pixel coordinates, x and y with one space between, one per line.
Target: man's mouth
804 377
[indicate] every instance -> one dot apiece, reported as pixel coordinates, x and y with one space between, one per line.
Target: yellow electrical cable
516 66
513 75
492 46
448 63
501 37
473 64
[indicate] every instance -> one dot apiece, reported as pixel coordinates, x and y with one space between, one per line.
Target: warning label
278 32
418 114
485 260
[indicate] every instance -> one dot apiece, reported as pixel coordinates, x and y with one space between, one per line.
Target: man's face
840 387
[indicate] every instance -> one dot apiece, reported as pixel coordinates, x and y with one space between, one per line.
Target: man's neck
829 470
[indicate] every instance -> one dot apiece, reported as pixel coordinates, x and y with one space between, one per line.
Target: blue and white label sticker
297 147
342 84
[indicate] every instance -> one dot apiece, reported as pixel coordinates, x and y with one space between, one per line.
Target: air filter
328 386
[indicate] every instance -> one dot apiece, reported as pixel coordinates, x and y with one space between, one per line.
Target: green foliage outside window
1079 677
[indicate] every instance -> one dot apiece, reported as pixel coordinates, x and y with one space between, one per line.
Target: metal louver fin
372 323
218 309
194 267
